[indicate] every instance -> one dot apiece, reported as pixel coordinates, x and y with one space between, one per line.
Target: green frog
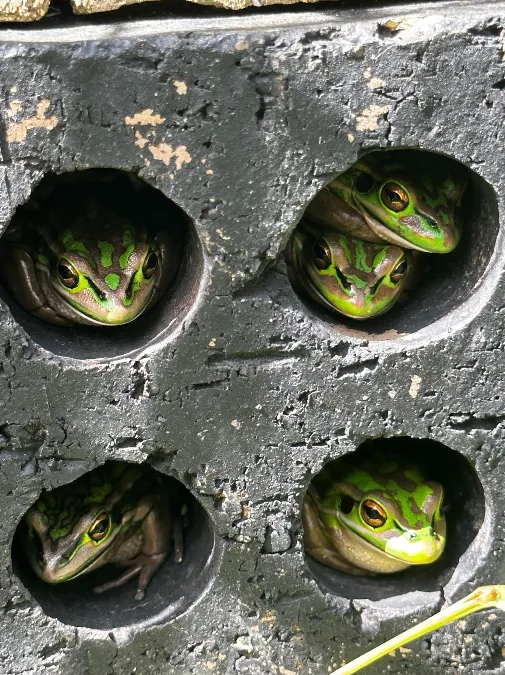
87 262
375 515
119 513
395 199
348 276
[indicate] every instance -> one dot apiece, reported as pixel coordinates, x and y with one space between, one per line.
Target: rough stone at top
23 10
33 10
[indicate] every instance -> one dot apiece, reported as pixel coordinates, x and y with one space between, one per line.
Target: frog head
69 530
352 277
109 279
392 508
411 207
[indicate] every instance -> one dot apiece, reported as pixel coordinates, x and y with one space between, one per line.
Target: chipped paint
145 117
241 45
373 82
140 140
165 153
415 384
368 119
181 87
17 131
15 107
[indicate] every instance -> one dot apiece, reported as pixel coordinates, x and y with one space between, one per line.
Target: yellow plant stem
484 597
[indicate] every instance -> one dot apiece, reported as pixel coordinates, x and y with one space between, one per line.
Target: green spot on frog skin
379 257
343 243
98 493
106 251
134 287
129 244
112 281
44 260
361 257
72 244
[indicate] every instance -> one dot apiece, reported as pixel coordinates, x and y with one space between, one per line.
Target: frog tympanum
375 515
91 264
356 249
119 513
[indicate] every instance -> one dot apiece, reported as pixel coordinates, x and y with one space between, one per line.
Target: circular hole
174 586
454 279
124 197
463 508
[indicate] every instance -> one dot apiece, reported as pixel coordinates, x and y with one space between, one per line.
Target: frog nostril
432 223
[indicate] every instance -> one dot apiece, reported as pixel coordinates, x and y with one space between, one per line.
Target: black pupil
100 527
364 183
65 272
321 254
394 197
373 514
346 504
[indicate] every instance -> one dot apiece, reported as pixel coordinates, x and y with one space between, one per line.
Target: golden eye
67 273
394 197
322 255
399 272
100 527
150 265
372 513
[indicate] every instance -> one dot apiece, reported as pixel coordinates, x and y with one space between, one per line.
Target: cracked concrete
238 388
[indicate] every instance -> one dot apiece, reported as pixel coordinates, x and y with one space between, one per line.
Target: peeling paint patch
17 131
415 384
368 119
146 117
241 45
181 87
165 152
140 141
373 82
350 138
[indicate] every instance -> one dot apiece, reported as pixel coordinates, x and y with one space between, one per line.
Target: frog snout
414 536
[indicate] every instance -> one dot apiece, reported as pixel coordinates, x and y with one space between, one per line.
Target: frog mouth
430 555
118 320
385 232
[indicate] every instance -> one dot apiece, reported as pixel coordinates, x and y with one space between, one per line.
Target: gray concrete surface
239 389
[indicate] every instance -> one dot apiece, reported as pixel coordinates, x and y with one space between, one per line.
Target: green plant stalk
484 597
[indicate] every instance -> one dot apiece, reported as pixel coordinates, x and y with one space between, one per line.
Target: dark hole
137 202
464 500
455 279
172 590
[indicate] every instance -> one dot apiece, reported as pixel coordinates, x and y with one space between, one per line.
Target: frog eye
364 183
150 265
399 272
372 513
322 255
99 528
67 273
394 197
